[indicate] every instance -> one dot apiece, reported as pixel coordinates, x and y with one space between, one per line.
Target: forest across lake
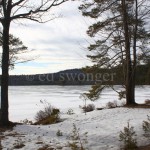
105 76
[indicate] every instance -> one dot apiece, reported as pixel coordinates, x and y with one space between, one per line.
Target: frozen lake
25 100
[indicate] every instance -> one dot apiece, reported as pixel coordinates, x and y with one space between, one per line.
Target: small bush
127 136
26 121
88 108
147 101
111 104
59 133
48 115
146 127
77 142
48 111
70 112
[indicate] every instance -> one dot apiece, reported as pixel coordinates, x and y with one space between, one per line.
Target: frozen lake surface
25 100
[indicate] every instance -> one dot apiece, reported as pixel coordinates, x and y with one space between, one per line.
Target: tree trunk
4 120
129 76
134 51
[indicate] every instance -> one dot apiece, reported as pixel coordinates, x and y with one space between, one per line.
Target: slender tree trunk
129 83
134 51
4 120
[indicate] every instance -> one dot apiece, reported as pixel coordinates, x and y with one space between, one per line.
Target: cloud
58 43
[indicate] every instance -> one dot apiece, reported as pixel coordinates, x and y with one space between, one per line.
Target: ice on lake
24 101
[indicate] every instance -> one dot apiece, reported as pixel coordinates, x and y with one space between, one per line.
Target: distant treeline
82 77
142 74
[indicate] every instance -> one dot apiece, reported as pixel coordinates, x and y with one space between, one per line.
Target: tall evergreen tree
11 10
121 33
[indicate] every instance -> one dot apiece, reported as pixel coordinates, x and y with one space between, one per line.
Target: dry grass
46 147
10 128
19 145
48 120
1 135
49 115
110 105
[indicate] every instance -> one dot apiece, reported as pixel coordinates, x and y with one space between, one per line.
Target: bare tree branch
17 3
42 8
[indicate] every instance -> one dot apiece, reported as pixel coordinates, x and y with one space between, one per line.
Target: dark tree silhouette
11 10
121 31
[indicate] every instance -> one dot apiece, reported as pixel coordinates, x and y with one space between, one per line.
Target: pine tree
11 10
121 33
16 48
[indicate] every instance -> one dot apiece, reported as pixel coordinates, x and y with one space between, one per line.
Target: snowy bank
103 127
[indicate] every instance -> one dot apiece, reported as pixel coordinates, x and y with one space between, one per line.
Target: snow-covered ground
103 126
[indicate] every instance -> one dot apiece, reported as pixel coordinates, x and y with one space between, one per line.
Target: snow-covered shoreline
103 127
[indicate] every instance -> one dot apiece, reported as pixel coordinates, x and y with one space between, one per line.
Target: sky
56 45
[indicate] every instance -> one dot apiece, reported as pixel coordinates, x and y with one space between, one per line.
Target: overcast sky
57 45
